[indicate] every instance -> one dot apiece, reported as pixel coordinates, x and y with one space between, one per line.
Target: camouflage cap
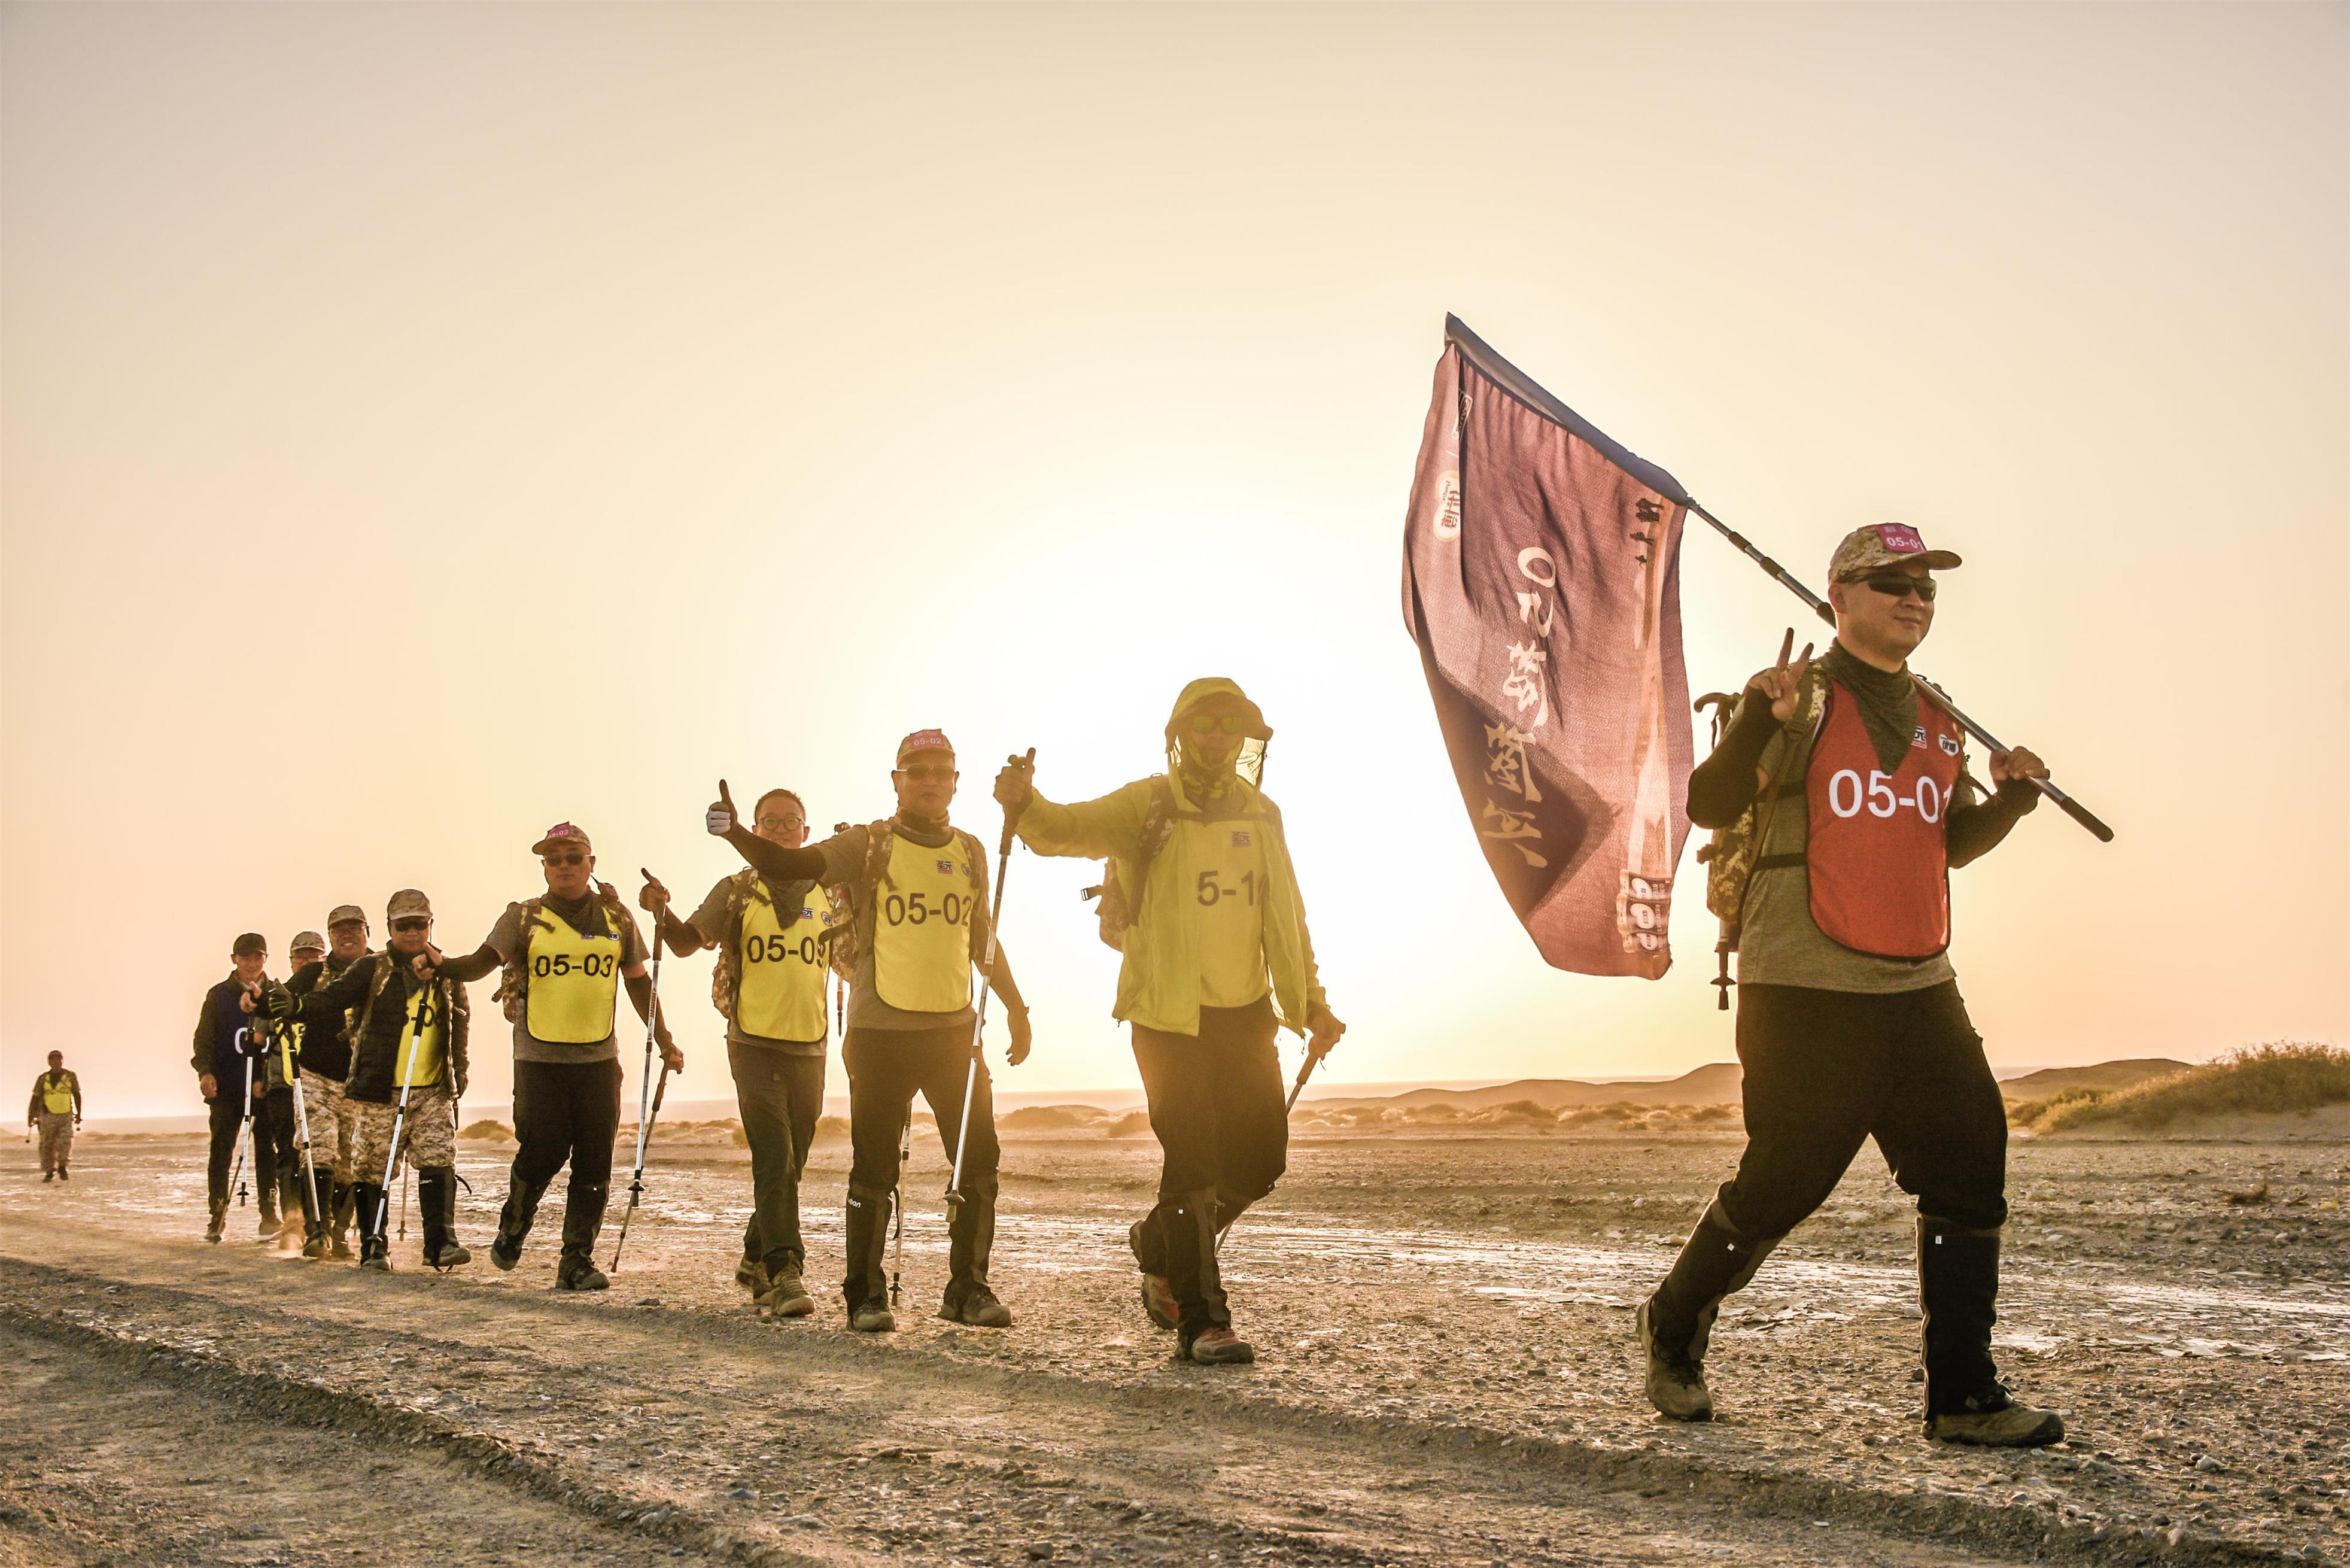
922 741
1864 550
306 941
342 912
406 903
564 833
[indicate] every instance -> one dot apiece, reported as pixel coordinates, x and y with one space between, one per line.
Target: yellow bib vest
921 928
57 1094
425 1068
574 982
289 1049
782 970
1227 897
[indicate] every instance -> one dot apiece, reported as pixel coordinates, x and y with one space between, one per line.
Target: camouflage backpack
1114 912
853 907
1730 857
513 993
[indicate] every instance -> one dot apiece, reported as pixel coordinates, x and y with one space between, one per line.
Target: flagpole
1941 699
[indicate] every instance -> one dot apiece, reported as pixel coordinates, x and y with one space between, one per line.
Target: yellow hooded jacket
1158 983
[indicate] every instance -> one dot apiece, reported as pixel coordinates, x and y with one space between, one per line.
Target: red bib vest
1875 851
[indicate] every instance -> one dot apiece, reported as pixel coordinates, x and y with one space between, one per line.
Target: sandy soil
1445 1375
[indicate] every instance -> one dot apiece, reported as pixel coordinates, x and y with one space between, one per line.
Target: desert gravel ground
1445 1375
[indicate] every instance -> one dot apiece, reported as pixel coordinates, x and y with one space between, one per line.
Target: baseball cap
563 834
341 912
253 944
407 902
302 940
1864 550
922 741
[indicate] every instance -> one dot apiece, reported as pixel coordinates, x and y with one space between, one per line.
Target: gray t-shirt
1779 943
711 921
506 935
843 863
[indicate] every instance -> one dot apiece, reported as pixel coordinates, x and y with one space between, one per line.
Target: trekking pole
310 1217
1940 698
646 1101
897 1202
245 1126
979 1018
400 1122
1305 1071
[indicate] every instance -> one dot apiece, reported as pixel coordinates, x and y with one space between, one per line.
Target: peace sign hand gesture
1781 684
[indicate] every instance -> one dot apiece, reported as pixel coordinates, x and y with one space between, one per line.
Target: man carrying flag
1854 789
1202 900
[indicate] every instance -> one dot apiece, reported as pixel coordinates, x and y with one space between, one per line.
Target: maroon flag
1541 581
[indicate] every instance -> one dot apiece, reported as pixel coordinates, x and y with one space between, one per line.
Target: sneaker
1219 1347
1675 1383
1159 1301
979 1308
783 1296
449 1254
751 1276
873 1317
2008 1424
577 1273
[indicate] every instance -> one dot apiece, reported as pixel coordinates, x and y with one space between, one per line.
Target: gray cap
407 903
311 941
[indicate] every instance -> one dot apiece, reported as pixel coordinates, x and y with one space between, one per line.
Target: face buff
1888 702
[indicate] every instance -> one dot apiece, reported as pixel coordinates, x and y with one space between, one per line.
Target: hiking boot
579 1273
1158 1296
1219 1346
447 1253
2001 1423
375 1253
436 1194
873 1316
48 1175
315 1245
1159 1301
979 1308
751 1276
219 1219
783 1296
1675 1383
64 1174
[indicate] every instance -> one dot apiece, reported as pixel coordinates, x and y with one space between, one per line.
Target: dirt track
1445 1377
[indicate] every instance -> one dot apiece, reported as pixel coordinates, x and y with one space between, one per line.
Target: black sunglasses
573 859
414 923
1894 585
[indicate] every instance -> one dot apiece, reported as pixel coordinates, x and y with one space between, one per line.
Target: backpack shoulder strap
974 863
880 838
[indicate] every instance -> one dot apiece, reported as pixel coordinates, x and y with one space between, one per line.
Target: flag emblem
946 867
1951 745
1242 839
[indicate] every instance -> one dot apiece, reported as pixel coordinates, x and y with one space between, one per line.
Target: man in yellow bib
769 985
1202 900
567 953
56 1110
410 1034
918 890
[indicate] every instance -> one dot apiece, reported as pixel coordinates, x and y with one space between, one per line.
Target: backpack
853 906
513 993
1114 912
1730 857
722 974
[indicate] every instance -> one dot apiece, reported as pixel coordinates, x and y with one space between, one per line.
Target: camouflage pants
426 1138
57 1139
334 1125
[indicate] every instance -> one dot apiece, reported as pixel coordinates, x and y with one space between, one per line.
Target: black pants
276 1150
228 1112
781 1095
568 1111
1825 1071
1217 1106
886 1068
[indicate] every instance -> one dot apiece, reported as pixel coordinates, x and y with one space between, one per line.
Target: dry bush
2283 1075
829 1128
1134 1124
2030 1112
487 1131
1049 1118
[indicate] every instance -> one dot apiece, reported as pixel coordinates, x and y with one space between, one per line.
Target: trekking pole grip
1012 813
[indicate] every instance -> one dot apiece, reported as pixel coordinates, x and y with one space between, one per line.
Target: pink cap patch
1901 539
564 830
924 740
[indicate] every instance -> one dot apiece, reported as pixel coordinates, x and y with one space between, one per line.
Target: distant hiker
223 1074
325 1063
917 892
56 1110
1849 1020
412 1030
567 953
1202 900
769 984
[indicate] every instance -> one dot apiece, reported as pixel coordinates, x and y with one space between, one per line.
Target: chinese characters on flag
1541 584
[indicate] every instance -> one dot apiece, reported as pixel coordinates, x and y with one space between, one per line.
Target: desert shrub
1048 1118
487 1131
827 1128
2282 1075
1517 1113
2030 1112
1134 1124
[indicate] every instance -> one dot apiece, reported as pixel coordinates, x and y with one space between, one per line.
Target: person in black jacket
223 1070
325 1063
410 1035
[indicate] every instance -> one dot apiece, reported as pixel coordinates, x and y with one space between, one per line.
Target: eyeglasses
782 824
1208 724
413 923
574 858
932 774
1895 585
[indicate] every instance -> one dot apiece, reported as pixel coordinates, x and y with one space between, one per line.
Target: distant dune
2107 1077
1715 1084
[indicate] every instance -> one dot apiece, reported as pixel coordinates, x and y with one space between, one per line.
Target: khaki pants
426 1138
334 1124
57 1139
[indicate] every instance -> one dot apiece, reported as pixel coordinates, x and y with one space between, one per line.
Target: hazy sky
422 423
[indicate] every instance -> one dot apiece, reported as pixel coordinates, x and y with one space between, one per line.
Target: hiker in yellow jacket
1201 897
56 1110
